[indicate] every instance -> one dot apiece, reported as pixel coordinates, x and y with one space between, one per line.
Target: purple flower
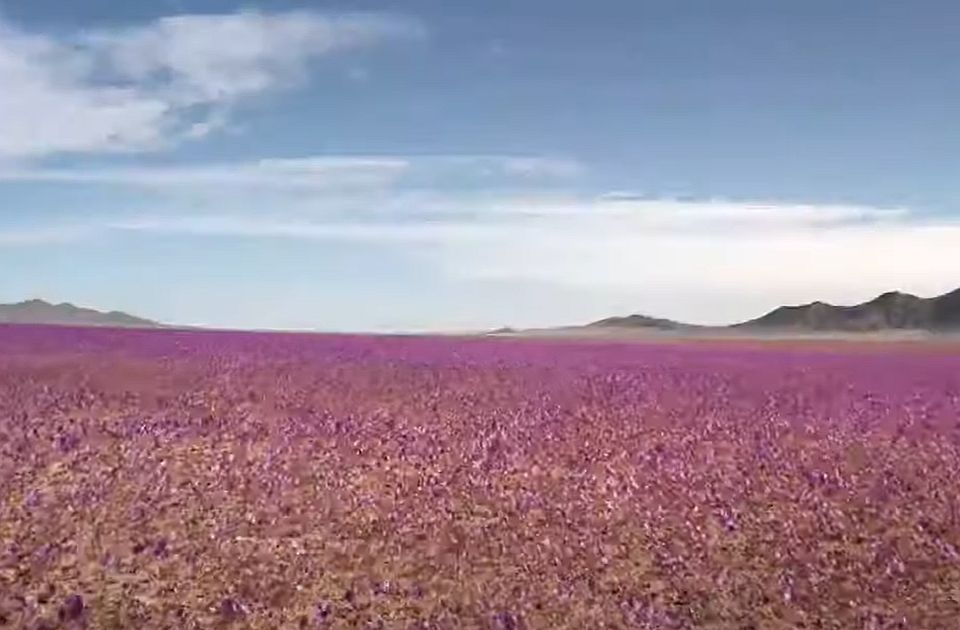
323 611
505 620
72 608
231 609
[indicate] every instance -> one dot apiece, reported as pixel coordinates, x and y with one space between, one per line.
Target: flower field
164 479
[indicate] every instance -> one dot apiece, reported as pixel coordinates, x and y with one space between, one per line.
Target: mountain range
65 314
891 311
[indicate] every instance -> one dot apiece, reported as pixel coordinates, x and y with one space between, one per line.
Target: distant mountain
640 321
41 312
890 311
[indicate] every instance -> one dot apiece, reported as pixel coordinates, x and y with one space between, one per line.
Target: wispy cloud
320 172
299 229
745 256
202 59
727 259
281 174
47 235
539 218
175 78
716 262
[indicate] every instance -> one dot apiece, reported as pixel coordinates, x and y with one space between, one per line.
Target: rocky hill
891 311
65 314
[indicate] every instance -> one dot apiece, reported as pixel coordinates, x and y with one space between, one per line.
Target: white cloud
280 174
318 172
518 166
719 262
253 227
45 235
216 58
46 106
540 167
569 221
701 261
145 87
708 262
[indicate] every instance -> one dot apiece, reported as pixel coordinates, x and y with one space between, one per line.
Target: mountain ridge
37 311
641 321
890 311
893 310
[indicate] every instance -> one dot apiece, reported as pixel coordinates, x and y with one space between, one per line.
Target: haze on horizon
430 165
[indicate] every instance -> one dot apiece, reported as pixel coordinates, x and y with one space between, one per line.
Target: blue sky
436 165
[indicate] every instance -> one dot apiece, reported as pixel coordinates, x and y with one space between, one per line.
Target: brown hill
890 311
41 312
640 321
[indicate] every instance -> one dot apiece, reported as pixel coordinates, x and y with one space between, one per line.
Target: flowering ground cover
163 479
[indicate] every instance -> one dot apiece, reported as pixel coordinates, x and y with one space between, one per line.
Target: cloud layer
705 261
320 172
176 78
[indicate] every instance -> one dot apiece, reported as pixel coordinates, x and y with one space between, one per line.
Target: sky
452 166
